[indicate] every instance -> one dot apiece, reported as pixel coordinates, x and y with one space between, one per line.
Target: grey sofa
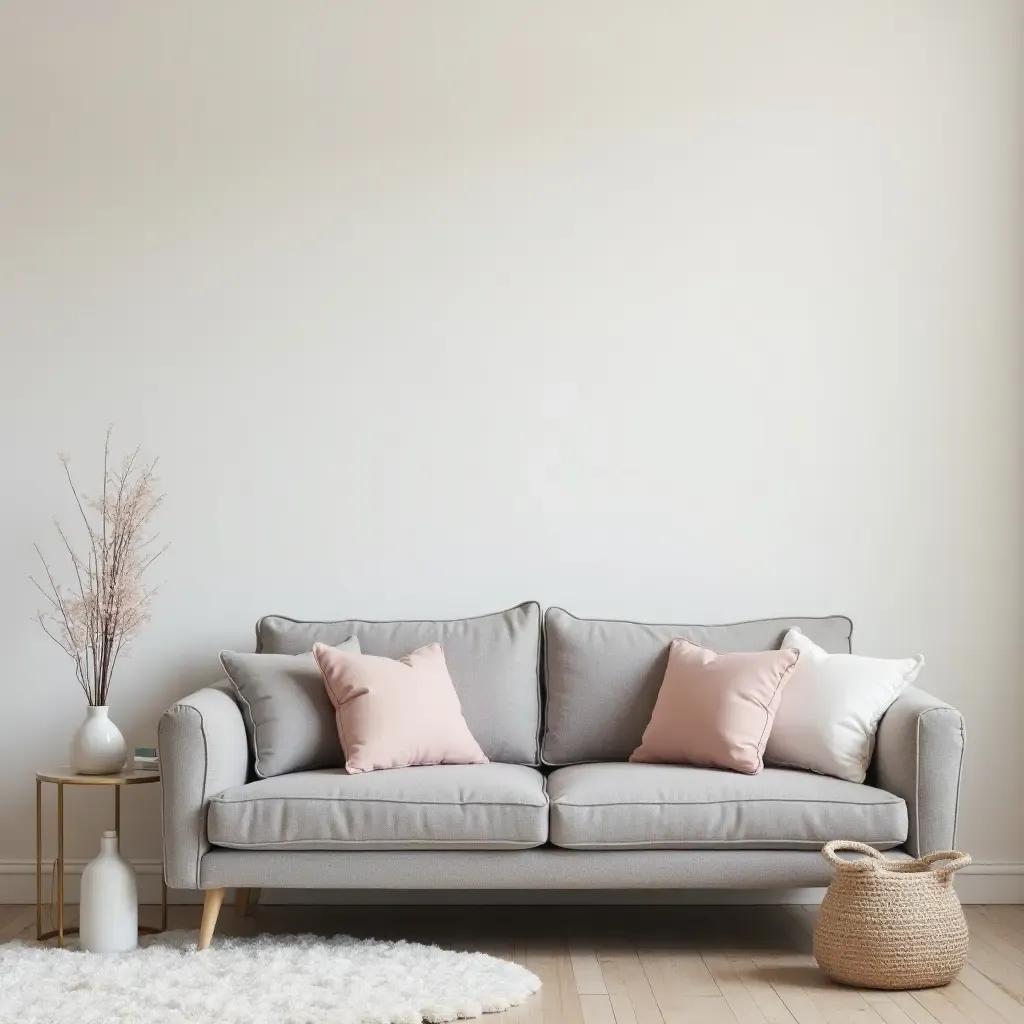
558 704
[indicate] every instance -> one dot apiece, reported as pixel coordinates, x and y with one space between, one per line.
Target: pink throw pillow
392 714
715 710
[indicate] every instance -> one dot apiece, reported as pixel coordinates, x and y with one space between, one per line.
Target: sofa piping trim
383 844
682 844
745 800
250 721
917 774
206 772
371 800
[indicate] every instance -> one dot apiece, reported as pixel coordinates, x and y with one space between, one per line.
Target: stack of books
146 759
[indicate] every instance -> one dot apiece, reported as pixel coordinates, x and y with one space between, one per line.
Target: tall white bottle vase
109 904
98 748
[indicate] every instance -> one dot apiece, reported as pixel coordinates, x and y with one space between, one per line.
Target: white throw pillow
831 707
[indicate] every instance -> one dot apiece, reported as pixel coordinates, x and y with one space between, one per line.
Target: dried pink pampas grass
95 619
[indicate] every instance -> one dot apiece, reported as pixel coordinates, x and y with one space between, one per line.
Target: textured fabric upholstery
642 806
288 715
545 868
203 751
602 677
919 752
494 661
428 807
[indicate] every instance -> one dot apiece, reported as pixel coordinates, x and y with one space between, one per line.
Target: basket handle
957 860
829 853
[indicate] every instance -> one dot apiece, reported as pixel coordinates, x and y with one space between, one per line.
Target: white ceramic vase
109 904
98 748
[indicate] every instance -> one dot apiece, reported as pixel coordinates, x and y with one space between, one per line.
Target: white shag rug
268 979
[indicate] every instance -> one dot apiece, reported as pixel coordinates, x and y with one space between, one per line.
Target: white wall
685 311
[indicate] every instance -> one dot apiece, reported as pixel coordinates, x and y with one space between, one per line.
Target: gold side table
65 776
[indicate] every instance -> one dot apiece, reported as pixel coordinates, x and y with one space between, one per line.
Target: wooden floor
659 965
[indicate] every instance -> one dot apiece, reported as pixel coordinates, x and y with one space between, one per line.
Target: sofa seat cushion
429 807
673 807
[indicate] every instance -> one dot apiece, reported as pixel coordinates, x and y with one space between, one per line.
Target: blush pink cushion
715 710
392 714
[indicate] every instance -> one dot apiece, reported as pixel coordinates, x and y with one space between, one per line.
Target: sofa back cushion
494 662
602 677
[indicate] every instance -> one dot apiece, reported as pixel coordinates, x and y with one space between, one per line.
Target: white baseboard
991 883
18 882
979 883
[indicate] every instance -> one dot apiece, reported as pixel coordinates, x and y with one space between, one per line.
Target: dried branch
94 624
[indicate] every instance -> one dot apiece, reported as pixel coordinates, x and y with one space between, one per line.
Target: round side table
65 776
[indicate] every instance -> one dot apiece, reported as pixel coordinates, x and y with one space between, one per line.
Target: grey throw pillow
288 715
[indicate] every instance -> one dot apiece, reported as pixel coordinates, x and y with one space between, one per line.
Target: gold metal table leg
60 864
145 929
61 931
39 859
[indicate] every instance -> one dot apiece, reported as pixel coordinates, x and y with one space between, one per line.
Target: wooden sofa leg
211 908
245 901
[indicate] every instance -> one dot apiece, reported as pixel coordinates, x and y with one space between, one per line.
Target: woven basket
893 924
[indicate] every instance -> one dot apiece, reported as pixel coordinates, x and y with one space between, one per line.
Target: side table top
127 777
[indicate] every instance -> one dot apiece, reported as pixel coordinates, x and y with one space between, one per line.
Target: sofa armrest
919 752
203 751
